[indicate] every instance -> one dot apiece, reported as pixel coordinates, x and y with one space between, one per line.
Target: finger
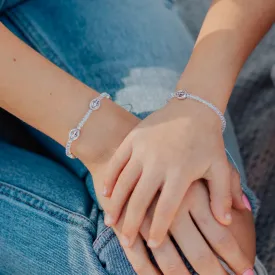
194 247
218 236
139 259
220 192
170 199
124 186
139 202
236 190
116 165
167 256
137 254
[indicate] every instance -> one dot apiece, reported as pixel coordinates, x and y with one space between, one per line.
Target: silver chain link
75 132
181 94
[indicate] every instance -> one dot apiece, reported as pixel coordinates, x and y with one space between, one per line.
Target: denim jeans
50 221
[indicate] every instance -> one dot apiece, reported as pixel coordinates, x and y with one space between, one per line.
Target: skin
182 142
234 243
44 96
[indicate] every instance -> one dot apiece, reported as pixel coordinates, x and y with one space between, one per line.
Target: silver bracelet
181 94
75 133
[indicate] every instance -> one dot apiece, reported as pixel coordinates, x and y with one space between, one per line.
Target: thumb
220 192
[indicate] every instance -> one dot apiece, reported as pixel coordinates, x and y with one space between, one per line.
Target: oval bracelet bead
74 134
181 94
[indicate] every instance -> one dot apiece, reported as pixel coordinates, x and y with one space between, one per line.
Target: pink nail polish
249 272
246 203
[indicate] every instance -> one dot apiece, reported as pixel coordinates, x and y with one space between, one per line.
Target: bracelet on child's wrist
75 132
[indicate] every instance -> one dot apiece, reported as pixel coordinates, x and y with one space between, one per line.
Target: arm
49 99
231 30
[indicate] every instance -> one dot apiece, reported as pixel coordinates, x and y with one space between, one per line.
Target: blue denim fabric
134 50
5 4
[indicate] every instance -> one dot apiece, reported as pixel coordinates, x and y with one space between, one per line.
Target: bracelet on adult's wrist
182 94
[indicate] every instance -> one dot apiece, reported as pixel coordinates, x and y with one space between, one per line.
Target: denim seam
45 202
104 243
99 236
34 36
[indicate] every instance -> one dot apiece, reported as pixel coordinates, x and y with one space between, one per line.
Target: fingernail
152 243
105 191
124 241
108 220
249 272
246 202
228 217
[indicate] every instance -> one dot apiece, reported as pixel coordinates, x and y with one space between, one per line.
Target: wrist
103 133
183 95
193 112
206 88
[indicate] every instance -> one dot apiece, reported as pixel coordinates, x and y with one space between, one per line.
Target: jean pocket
111 254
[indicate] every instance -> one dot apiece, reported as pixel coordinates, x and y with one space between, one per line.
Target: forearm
230 32
49 99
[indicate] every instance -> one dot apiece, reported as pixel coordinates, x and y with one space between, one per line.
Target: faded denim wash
50 222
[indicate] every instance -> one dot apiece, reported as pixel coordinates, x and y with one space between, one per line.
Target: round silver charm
181 95
94 104
74 134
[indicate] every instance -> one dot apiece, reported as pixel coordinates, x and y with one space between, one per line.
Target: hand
169 150
201 238
199 235
166 255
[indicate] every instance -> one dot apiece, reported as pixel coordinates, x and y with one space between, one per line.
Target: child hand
169 150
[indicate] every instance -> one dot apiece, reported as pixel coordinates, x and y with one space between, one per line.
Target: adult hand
201 238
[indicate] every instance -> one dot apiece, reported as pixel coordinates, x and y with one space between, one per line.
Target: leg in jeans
136 51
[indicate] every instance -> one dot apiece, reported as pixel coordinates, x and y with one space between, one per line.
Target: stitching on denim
45 202
35 37
105 242
99 236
